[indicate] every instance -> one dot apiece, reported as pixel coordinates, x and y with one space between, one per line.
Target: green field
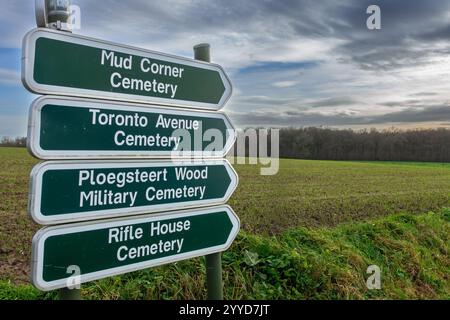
308 232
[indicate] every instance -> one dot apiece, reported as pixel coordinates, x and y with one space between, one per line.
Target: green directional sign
117 246
61 63
71 128
75 191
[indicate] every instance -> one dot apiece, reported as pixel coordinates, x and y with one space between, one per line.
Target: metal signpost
74 128
213 261
85 67
128 244
110 109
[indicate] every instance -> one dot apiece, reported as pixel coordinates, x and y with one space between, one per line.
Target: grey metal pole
57 12
69 294
213 261
214 276
202 52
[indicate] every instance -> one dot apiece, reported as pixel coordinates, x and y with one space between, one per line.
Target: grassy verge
303 263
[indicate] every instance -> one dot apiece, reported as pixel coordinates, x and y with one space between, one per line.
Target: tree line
13 142
428 145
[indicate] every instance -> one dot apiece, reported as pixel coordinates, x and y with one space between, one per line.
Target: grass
302 263
305 234
327 193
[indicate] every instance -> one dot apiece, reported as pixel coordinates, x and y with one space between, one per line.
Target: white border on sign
28 55
40 237
34 128
35 194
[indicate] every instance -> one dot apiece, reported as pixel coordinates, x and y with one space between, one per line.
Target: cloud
13 126
9 77
439 33
333 102
16 18
263 100
285 84
285 118
423 94
292 62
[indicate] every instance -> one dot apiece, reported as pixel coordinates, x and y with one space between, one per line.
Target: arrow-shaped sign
102 249
75 191
71 128
61 63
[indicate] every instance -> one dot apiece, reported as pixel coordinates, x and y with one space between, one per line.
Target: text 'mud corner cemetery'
139 180
85 67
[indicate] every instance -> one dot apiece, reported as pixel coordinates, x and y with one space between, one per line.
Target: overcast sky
292 62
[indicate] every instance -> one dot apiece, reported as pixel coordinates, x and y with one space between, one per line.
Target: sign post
69 294
46 17
213 261
110 105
